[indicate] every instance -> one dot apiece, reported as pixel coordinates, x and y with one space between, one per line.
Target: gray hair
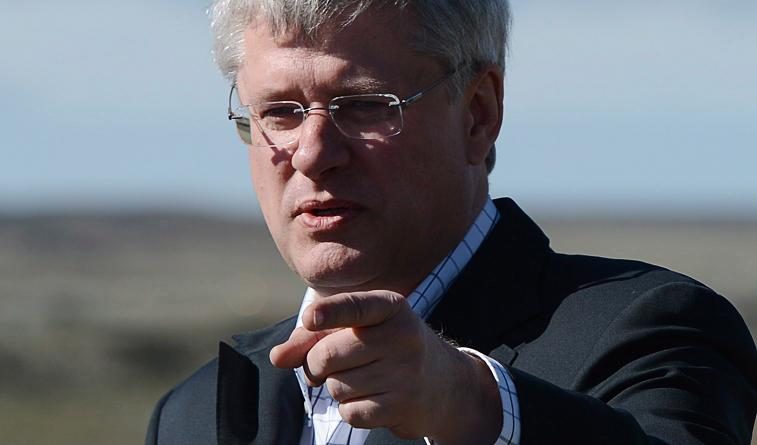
454 32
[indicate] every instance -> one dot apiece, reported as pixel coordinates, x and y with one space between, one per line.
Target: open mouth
326 215
333 211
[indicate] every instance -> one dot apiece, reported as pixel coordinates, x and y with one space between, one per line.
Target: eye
364 105
278 116
365 108
278 111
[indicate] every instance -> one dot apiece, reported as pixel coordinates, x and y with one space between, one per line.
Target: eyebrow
359 85
365 85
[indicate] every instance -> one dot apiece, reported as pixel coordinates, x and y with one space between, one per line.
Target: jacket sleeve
676 366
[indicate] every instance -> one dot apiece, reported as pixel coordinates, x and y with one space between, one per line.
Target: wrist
471 413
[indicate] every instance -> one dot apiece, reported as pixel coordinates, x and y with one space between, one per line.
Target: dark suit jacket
601 351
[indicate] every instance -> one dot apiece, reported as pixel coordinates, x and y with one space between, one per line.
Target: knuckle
356 307
329 354
359 415
396 299
321 358
411 329
337 389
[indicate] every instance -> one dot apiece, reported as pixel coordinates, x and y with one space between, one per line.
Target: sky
627 108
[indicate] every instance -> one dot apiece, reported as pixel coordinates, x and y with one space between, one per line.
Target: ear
484 112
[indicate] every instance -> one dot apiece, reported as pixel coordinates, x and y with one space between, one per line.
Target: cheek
269 174
269 191
268 182
429 172
418 161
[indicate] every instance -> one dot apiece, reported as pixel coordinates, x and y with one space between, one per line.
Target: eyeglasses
359 116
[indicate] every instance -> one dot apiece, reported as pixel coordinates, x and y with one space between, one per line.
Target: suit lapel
237 396
257 403
498 290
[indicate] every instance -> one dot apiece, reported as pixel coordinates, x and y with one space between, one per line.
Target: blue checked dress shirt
324 425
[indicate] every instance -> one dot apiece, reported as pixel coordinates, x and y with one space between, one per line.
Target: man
433 313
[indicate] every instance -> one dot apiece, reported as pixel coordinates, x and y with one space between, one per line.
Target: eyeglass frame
401 103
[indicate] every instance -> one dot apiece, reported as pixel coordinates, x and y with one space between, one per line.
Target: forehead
373 53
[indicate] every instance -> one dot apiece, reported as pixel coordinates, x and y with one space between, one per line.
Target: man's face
350 214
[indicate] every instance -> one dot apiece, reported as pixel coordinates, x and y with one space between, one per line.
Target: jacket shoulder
592 303
598 289
186 414
653 344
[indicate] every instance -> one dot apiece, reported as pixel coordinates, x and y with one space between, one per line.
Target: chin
336 268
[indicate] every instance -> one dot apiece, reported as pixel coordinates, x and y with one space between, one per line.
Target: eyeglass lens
367 116
372 116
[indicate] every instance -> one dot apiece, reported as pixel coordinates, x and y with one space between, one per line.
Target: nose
321 147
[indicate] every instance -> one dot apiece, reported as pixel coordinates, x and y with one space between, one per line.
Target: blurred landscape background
131 243
103 314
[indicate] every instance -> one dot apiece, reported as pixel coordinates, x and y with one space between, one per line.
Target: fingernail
317 318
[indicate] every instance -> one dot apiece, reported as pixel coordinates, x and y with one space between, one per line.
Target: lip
326 215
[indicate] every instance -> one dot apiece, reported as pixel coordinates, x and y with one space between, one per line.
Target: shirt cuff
510 434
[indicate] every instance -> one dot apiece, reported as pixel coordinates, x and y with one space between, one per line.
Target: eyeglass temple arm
230 113
415 97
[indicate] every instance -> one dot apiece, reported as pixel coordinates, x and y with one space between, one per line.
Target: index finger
354 309
292 352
